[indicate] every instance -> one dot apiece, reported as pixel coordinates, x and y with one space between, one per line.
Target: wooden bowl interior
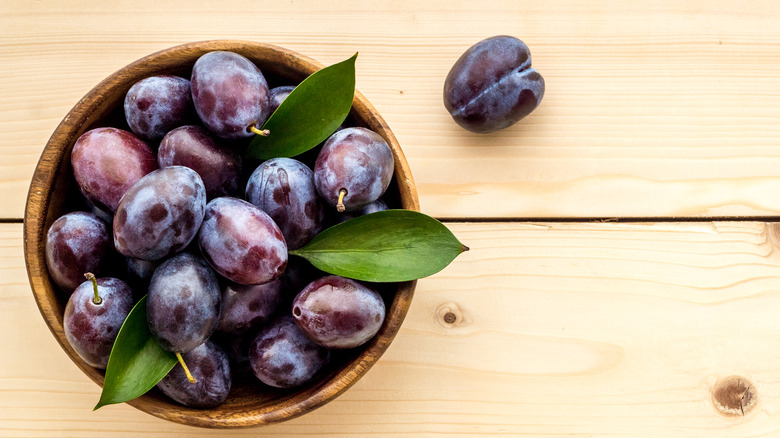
53 193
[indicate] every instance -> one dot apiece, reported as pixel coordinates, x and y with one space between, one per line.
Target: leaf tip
464 248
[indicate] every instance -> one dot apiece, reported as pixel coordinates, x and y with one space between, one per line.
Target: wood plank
579 329
653 108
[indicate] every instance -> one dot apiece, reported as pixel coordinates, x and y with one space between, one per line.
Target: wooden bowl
250 403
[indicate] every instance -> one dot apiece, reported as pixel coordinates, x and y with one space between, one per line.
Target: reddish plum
76 243
241 242
107 162
338 312
91 324
191 146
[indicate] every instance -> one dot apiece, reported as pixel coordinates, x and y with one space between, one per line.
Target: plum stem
91 277
186 370
263 132
340 205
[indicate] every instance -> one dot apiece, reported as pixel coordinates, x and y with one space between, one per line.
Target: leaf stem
340 205
262 132
91 277
186 370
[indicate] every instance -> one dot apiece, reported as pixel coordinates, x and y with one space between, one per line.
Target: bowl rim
55 159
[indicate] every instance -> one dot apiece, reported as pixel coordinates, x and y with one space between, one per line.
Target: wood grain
653 108
579 329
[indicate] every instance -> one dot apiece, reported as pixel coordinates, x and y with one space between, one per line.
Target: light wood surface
652 109
592 329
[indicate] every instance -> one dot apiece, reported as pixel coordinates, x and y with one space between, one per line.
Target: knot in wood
734 396
449 315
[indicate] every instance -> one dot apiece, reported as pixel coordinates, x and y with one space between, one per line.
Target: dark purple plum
298 274
209 365
91 327
378 205
107 162
191 146
230 94
76 243
183 304
161 214
155 105
277 95
353 169
283 357
241 242
139 273
284 188
246 306
492 85
237 348
102 213
337 312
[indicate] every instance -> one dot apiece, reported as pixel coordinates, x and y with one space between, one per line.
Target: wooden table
624 262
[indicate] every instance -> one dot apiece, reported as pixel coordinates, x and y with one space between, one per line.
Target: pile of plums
171 210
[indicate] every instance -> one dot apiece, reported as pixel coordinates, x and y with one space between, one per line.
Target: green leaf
391 245
311 113
137 361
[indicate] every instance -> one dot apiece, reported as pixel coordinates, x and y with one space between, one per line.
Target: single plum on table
246 306
283 357
284 188
338 312
183 304
93 318
158 104
219 166
209 366
76 243
230 94
492 85
353 169
161 214
241 242
107 162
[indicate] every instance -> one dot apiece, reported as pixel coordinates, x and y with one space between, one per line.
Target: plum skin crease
492 85
284 188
